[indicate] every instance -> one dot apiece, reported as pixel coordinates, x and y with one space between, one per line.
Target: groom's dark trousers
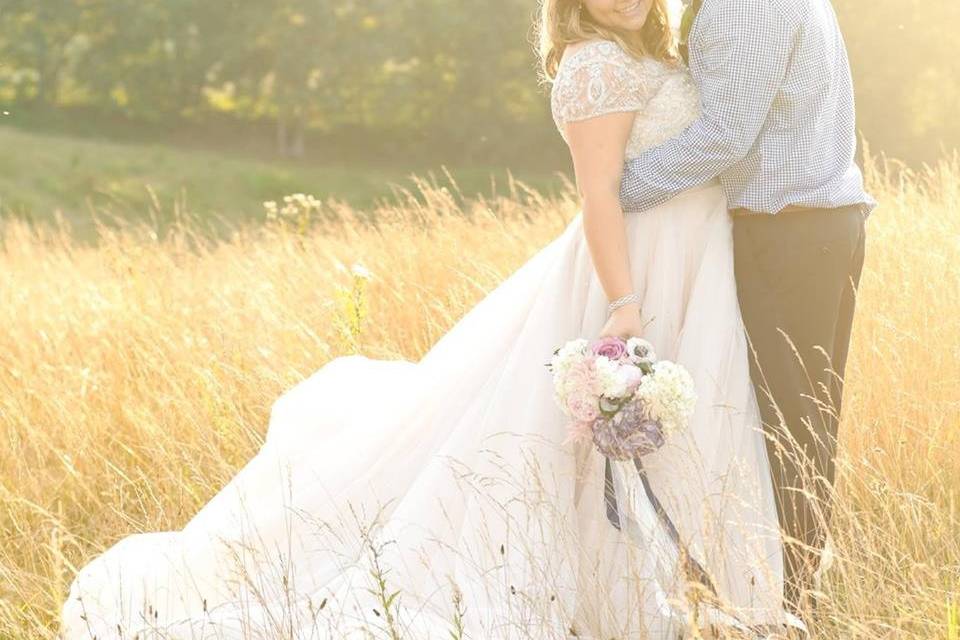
797 274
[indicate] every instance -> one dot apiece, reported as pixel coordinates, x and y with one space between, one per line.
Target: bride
441 498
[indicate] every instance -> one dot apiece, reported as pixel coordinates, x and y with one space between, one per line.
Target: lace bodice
601 77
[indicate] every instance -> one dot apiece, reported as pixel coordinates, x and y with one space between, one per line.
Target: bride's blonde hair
564 22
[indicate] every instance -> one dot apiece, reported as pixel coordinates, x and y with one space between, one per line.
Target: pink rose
612 347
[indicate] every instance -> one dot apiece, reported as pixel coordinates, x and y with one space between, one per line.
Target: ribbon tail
610 495
692 567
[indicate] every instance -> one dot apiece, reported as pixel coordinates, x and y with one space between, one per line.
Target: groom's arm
743 53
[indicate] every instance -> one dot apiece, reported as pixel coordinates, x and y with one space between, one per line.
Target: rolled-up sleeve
743 49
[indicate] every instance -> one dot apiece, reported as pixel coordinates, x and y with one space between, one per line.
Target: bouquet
619 396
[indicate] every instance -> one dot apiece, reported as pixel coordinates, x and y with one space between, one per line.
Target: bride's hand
624 323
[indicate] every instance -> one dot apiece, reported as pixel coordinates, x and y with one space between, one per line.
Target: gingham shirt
777 117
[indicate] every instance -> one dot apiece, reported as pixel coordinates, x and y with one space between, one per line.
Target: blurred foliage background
367 77
381 83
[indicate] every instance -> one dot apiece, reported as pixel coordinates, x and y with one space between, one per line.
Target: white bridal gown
449 480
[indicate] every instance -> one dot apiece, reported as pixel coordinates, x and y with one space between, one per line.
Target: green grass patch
42 174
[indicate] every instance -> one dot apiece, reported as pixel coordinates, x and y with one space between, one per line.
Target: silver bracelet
624 300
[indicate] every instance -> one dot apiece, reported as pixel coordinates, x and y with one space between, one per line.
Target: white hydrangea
669 394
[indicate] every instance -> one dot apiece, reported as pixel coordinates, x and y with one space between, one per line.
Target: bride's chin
631 24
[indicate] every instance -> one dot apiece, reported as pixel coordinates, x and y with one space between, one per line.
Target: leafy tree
440 74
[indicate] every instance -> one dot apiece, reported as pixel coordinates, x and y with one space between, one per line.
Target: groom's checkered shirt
777 122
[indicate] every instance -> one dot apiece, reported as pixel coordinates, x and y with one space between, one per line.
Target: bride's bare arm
597 146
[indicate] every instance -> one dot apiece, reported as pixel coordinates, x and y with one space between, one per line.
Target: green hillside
41 174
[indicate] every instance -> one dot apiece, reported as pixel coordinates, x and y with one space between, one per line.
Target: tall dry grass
137 375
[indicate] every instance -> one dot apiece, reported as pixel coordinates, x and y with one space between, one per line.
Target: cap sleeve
598 78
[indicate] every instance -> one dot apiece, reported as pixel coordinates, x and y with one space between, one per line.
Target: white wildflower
360 271
271 208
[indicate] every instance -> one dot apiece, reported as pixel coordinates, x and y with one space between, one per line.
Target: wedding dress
450 481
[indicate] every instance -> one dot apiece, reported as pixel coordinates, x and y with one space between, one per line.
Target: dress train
448 481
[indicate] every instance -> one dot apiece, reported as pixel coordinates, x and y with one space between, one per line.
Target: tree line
436 73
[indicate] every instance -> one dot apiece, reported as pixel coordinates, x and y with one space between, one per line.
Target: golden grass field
138 374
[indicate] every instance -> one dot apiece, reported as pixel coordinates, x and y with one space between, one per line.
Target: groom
777 129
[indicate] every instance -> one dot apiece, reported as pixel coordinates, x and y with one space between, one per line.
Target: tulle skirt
423 499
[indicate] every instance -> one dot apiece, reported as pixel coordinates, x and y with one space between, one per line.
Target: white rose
612 383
